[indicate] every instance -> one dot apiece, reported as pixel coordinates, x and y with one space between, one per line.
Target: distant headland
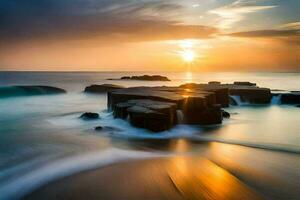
144 78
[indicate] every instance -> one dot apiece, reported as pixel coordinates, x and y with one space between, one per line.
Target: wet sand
178 177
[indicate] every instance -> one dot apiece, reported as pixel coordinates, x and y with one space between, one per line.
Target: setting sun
188 55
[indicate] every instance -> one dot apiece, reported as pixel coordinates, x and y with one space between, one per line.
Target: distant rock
144 78
102 88
29 90
246 83
89 116
214 82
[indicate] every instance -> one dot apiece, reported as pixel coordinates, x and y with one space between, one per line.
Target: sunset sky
150 35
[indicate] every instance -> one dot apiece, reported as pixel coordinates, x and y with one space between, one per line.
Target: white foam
276 100
180 116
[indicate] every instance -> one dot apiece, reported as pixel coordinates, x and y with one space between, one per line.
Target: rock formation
144 78
28 90
101 88
156 108
290 98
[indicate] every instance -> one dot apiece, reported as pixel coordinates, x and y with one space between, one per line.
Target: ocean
42 138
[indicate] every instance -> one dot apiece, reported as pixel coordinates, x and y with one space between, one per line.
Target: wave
123 129
58 169
15 91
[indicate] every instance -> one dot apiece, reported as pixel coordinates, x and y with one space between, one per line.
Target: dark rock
290 98
298 106
99 128
145 118
245 83
89 116
14 91
120 110
156 108
225 114
207 116
152 115
214 82
146 78
102 88
126 77
252 94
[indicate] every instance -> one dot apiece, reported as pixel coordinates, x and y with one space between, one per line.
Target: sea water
43 139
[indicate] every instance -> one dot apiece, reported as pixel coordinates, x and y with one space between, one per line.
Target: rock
290 98
14 91
214 83
99 128
146 78
253 95
156 108
298 106
208 116
225 114
145 118
245 83
89 116
144 113
102 88
125 77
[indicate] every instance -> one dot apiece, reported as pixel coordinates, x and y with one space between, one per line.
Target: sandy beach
169 178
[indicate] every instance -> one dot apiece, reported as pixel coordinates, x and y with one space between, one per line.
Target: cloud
292 25
268 33
236 11
110 20
288 36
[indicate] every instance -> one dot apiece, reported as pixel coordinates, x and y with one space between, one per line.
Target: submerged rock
29 90
107 129
102 88
89 116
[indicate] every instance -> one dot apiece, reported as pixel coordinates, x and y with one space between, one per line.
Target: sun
188 55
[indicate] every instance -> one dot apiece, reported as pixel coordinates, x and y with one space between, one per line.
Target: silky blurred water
36 131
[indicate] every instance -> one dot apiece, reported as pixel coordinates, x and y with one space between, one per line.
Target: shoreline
219 171
179 177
